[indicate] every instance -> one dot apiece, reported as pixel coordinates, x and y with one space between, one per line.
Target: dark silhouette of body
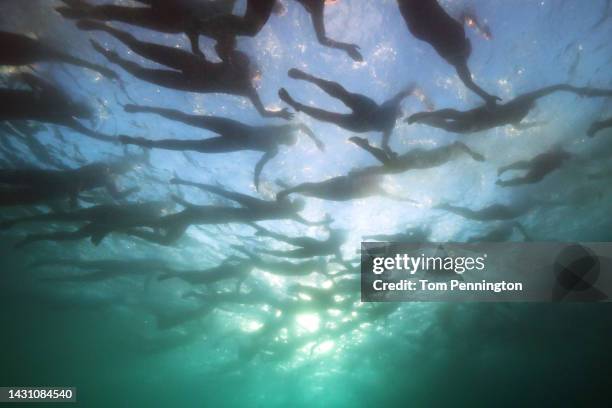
537 168
100 221
231 268
416 158
286 268
211 19
102 270
188 72
35 186
19 50
307 247
598 126
233 136
487 117
495 212
429 22
356 185
366 115
171 227
45 103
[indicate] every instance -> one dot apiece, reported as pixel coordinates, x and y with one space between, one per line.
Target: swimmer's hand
284 114
353 51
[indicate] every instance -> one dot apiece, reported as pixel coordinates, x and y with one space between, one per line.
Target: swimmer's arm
320 145
397 197
302 220
260 165
242 199
318 23
256 101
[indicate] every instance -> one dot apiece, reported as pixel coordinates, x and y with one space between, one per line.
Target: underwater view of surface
181 223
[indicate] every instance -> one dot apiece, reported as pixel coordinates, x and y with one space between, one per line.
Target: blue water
103 338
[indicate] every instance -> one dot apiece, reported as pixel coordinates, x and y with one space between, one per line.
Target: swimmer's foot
359 141
285 97
298 74
474 155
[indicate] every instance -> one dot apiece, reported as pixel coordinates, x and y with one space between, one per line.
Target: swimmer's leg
514 182
54 236
166 78
519 165
379 154
171 57
597 126
464 148
461 211
340 119
139 16
354 101
222 126
442 114
212 145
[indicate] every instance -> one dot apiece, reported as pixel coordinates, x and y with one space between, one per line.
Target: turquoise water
103 337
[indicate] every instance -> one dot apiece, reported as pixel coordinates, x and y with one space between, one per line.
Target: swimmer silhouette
598 126
34 186
101 220
416 158
366 115
537 168
188 72
286 268
233 136
307 247
231 268
495 212
19 50
45 103
316 10
487 117
101 270
168 229
208 18
429 22
356 185
501 233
